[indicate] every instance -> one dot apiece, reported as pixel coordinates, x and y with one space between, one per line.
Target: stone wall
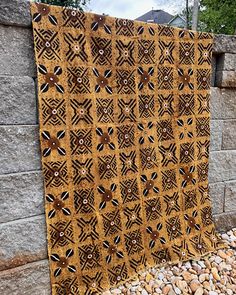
23 254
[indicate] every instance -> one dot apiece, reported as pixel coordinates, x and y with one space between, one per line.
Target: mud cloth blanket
124 129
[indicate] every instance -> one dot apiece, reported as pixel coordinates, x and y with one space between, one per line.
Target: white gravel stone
116 291
177 290
225 237
218 259
161 276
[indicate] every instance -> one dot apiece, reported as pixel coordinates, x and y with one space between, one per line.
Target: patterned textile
124 126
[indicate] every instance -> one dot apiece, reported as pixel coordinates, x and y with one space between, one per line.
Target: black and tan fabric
124 126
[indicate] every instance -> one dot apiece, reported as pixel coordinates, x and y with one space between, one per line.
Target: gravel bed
211 275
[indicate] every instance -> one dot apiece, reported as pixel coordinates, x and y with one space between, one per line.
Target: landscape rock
195 285
199 291
215 274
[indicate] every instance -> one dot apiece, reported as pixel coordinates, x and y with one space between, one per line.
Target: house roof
158 17
175 17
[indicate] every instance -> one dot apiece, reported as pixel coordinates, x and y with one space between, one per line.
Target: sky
132 9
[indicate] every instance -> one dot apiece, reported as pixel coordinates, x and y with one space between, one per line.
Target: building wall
23 254
177 22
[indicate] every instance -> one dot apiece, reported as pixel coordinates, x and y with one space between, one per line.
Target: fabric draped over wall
124 129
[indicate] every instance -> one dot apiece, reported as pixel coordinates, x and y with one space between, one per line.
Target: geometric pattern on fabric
124 131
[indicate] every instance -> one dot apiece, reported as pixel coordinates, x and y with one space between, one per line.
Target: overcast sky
134 8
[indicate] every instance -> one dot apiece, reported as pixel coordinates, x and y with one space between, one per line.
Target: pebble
116 291
201 263
161 276
177 290
199 291
158 291
182 285
206 285
187 276
166 289
135 283
148 288
149 277
225 237
222 254
213 274
218 259
194 285
188 265
203 277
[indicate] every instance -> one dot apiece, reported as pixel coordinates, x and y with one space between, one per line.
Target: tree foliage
218 16
71 3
